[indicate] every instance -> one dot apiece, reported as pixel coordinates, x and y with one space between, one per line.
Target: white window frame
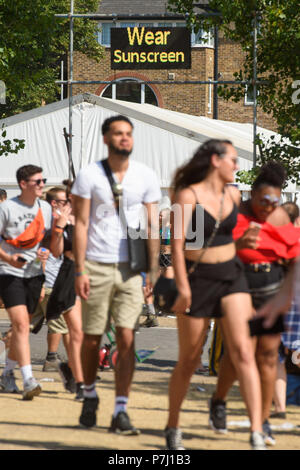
133 79
207 35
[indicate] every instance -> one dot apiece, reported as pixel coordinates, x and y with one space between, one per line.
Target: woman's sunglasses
269 201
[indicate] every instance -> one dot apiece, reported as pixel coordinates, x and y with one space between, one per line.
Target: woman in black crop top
216 287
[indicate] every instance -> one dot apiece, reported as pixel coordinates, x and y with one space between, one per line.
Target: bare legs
266 359
19 345
191 336
73 320
192 331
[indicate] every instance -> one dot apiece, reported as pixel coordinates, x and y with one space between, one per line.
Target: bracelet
80 273
58 226
58 230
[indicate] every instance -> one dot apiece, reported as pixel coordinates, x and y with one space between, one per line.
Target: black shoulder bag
165 291
137 245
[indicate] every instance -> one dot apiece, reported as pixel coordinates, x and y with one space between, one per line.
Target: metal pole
216 72
71 90
62 77
254 88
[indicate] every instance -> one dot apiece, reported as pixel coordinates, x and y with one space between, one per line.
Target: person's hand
183 302
43 254
82 286
250 238
62 215
14 260
278 305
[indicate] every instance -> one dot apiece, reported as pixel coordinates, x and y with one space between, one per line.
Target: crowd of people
67 260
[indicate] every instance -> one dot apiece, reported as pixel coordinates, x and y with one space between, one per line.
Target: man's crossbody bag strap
137 247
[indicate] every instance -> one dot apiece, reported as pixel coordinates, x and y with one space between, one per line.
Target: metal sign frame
97 17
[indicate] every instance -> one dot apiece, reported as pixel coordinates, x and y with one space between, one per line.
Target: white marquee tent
163 139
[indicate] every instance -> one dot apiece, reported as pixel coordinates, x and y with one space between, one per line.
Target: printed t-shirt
15 216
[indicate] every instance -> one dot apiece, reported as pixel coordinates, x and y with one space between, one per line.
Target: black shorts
264 284
21 291
211 282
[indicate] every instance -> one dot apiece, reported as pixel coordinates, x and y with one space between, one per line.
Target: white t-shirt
106 236
15 216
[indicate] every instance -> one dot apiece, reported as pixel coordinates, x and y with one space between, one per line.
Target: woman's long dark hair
271 174
197 168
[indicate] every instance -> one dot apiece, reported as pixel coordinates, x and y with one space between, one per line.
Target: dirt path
50 421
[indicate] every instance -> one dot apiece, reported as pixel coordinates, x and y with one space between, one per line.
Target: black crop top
68 236
224 232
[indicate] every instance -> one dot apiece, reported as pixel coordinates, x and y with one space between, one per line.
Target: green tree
278 64
32 44
7 146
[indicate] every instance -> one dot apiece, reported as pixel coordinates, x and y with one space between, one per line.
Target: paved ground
50 421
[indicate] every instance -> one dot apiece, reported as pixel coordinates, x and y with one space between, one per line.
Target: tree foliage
32 44
7 146
278 64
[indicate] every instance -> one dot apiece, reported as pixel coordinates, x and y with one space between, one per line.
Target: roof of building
131 7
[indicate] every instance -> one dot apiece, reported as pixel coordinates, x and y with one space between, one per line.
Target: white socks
26 372
10 365
120 405
90 391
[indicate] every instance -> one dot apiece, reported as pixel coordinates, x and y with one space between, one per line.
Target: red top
275 242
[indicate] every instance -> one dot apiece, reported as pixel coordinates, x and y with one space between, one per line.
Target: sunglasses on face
63 201
38 182
269 201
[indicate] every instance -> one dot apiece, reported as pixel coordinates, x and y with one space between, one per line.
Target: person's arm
59 223
178 230
281 302
81 208
153 242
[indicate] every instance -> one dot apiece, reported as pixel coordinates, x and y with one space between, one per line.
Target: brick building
188 98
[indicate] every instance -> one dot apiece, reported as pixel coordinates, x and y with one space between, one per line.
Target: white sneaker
31 389
8 383
173 438
257 441
268 437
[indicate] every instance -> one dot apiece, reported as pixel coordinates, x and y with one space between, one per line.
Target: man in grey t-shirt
23 223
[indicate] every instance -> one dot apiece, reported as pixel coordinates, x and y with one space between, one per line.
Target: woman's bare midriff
212 255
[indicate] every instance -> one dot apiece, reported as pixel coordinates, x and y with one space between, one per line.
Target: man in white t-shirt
104 280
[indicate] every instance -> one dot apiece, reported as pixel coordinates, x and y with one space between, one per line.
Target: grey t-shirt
52 269
15 216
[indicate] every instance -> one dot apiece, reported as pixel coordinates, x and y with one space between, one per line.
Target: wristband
80 273
58 226
58 230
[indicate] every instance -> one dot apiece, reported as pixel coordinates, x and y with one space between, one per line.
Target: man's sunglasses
39 181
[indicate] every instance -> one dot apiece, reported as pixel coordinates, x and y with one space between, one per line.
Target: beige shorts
115 293
54 326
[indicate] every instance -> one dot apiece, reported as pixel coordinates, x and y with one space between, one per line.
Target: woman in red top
266 241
